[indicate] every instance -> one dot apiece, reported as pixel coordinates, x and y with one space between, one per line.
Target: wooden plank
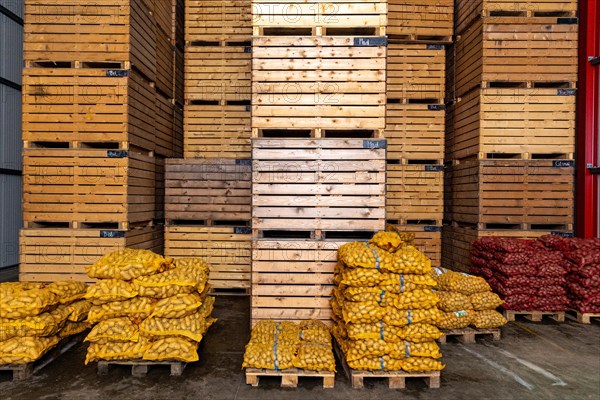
420 18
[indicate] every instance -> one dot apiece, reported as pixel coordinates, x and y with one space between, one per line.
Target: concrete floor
533 361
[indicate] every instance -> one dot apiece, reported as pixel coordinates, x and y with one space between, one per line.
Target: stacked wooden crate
416 88
96 128
511 125
318 164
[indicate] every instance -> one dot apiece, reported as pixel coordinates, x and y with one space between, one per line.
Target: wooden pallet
208 189
139 368
517 52
216 20
428 238
415 132
218 72
318 82
289 377
298 14
226 249
429 20
469 11
23 372
415 192
318 184
535 316
530 192
416 71
48 255
514 122
582 318
217 131
468 335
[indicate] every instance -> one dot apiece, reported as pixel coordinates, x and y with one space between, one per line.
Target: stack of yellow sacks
466 300
281 345
384 306
147 307
35 317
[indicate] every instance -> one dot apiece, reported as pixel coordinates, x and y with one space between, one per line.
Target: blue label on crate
374 144
242 230
370 41
431 228
436 107
563 234
243 162
112 234
247 49
434 168
566 92
435 47
567 21
563 163
117 73
116 153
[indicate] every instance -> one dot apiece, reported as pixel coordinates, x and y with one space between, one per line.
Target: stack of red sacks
527 274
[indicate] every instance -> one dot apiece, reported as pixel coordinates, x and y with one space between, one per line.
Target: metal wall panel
10 219
11 49
14 6
10 128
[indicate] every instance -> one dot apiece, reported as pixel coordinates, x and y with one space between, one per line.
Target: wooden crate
318 82
415 132
518 52
513 122
178 23
48 255
226 249
213 189
422 20
320 16
414 192
165 66
292 279
178 76
218 72
162 11
316 185
470 11
428 238
216 131
457 242
218 20
529 193
121 31
416 72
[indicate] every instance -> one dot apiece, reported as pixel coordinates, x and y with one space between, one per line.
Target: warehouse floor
533 361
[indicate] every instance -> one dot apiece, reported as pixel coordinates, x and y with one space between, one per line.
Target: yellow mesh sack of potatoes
336 309
128 264
455 319
407 349
357 349
485 301
269 332
117 350
453 301
23 350
109 290
192 326
269 356
409 260
138 307
375 331
374 363
421 364
388 241
78 310
20 301
407 238
420 333
44 324
488 319
363 313
417 299
177 306
73 328
187 277
370 295
172 348
315 357
400 283
396 317
68 291
462 283
363 255
359 277
315 331
115 329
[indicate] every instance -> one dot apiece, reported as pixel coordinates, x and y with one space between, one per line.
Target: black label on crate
436 107
370 41
248 107
247 49
112 234
242 230
435 47
563 234
374 144
243 162
566 92
116 153
567 21
434 168
117 73
432 228
563 163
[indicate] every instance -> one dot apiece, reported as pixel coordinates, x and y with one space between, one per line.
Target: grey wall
11 56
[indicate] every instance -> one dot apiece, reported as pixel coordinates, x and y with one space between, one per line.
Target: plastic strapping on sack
382 363
402 283
409 317
376 256
439 270
407 348
381 296
276 335
381 331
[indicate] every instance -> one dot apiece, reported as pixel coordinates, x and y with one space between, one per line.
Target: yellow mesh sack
336 309
359 277
421 364
177 306
68 291
409 260
396 317
18 301
172 348
186 277
23 350
45 324
73 328
116 329
78 310
374 363
453 301
485 301
117 350
357 349
128 264
420 333
370 295
192 326
268 332
375 331
363 313
363 255
401 283
456 320
315 357
405 349
315 331
138 307
416 299
269 356
109 290
388 241
488 319
462 283
406 237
